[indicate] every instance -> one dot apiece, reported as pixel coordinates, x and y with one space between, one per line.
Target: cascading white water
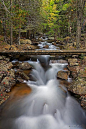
48 106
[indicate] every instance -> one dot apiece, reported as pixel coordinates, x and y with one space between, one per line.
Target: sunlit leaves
52 13
66 6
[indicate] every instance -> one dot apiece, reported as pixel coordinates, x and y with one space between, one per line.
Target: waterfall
48 106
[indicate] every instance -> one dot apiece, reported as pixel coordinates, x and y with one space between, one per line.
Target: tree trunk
78 34
33 34
19 35
55 36
29 34
79 21
69 26
19 26
4 29
85 39
11 26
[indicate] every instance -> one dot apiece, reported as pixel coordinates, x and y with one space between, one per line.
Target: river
48 106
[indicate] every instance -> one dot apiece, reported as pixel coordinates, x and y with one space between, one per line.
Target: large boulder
78 86
74 70
25 41
46 46
11 73
83 101
8 82
82 72
67 39
53 43
73 62
6 47
41 39
62 61
5 66
7 74
25 66
51 38
21 75
13 47
2 57
3 97
1 76
62 75
27 47
9 65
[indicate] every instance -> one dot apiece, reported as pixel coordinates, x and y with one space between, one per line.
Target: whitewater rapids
49 106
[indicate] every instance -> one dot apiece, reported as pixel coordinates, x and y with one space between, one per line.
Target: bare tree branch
5 6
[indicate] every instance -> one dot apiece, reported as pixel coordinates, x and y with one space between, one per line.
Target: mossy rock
25 41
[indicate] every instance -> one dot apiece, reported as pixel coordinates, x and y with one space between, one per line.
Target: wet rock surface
74 70
25 66
83 101
3 97
62 61
8 83
21 75
78 73
46 46
62 75
8 76
78 86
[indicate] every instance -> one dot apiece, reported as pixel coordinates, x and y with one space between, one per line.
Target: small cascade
48 106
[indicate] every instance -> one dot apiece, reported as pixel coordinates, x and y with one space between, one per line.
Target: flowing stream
46 44
48 106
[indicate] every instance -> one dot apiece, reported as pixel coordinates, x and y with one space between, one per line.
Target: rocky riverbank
12 73
9 76
76 70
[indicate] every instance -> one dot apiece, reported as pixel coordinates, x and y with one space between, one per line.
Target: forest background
57 18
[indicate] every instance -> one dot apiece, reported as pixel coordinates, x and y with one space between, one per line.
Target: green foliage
81 56
66 6
52 16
